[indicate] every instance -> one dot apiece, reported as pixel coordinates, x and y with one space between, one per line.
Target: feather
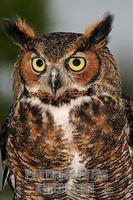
19 32
97 34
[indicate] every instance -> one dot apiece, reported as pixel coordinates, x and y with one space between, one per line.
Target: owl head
63 65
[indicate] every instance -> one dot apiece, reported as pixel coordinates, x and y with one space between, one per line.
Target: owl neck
64 98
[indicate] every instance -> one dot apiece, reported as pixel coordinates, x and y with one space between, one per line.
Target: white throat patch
61 113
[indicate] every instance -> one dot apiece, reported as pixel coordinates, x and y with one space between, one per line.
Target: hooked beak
55 82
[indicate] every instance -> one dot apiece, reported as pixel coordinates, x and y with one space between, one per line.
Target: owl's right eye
38 64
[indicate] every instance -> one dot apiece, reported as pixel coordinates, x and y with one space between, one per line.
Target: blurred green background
65 15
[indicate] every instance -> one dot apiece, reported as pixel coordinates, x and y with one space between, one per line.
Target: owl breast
74 144
52 129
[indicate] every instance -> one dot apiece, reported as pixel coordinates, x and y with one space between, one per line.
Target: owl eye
76 64
38 64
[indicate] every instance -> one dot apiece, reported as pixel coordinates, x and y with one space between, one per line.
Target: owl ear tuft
19 32
97 34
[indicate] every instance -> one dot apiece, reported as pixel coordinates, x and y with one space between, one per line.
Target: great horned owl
66 135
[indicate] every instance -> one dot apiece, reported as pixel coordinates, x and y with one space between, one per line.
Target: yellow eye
76 64
38 64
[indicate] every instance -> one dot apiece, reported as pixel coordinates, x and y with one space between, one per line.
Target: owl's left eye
76 64
38 64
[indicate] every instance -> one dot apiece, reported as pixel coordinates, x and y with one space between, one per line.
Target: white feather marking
76 169
60 114
76 165
104 94
12 178
33 89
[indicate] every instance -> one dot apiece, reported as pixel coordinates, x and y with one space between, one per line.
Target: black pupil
76 62
39 63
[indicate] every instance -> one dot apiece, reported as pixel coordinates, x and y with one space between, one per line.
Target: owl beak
55 82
